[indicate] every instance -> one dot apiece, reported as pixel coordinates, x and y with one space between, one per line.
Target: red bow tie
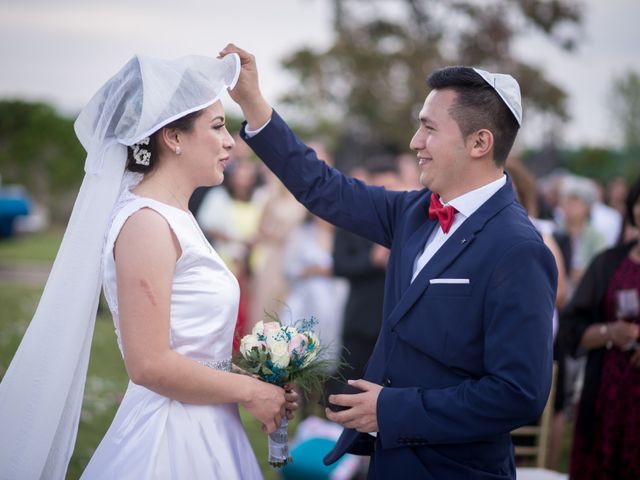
445 215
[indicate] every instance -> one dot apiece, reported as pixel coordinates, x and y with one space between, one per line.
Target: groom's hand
291 396
362 414
246 92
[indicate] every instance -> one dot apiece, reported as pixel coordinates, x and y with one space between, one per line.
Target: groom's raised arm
343 201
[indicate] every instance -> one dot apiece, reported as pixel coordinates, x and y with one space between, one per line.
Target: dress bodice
204 293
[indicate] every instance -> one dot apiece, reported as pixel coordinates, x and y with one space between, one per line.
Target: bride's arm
146 252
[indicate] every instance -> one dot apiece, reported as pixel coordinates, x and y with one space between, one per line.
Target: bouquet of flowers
281 354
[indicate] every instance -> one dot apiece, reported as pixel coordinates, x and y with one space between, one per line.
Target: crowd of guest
592 229
601 326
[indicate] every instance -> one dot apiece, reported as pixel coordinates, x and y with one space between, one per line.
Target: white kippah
508 89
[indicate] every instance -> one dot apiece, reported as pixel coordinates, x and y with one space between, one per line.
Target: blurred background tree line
362 94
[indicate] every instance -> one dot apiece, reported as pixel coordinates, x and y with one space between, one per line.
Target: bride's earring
178 150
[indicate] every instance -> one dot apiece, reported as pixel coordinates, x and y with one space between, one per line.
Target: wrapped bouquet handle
279 454
280 355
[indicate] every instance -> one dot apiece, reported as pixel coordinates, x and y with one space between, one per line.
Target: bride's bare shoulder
147 233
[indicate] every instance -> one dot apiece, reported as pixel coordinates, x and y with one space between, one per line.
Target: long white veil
41 392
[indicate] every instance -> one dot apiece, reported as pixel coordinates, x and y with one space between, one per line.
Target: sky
62 51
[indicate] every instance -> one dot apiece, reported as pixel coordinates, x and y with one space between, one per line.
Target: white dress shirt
465 205
253 133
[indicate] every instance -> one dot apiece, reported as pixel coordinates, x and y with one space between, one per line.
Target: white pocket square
459 281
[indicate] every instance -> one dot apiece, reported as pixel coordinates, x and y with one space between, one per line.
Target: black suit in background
363 310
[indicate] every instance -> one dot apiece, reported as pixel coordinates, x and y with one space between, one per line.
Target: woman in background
603 320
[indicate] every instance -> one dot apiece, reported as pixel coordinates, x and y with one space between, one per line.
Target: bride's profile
153 133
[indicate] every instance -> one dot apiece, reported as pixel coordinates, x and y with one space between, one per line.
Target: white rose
273 334
271 329
258 328
279 353
247 343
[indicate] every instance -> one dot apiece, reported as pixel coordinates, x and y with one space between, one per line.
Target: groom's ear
480 143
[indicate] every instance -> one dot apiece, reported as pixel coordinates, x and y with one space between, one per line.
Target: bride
153 133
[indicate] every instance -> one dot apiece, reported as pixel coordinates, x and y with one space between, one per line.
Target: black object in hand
343 389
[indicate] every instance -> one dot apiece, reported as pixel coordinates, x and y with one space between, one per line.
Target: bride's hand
266 403
291 397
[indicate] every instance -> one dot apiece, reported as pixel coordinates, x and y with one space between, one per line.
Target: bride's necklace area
189 214
170 192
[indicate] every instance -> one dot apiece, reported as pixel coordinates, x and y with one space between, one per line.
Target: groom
464 351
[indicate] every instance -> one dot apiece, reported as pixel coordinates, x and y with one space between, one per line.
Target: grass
106 378
37 248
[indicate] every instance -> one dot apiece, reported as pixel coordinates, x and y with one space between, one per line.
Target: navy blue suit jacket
461 364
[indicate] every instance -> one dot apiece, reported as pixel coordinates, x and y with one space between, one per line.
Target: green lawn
32 248
107 379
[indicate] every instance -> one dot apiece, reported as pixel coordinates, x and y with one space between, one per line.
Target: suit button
387 382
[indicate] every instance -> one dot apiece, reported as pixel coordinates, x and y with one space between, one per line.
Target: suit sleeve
346 202
513 390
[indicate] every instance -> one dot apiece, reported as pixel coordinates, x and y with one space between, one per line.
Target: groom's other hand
291 397
361 415
246 93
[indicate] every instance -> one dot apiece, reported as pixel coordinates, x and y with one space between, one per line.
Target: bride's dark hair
184 124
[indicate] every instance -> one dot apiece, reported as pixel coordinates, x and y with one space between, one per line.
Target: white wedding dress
154 437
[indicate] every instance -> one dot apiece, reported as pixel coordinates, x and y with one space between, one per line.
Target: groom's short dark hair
478 106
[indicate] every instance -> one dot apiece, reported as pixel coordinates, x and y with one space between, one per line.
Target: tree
625 107
39 149
369 83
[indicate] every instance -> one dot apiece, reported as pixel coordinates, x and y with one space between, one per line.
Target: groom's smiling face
442 155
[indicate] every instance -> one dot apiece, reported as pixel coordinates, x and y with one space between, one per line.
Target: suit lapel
415 244
447 254
452 248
